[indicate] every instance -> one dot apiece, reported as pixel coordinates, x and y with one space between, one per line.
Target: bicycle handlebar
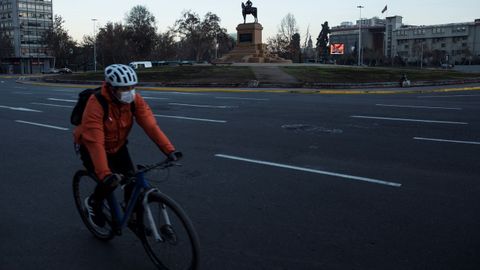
162 165
146 168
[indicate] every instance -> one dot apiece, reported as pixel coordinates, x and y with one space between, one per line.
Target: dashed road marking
191 118
409 120
339 175
446 141
41 125
418 107
203 106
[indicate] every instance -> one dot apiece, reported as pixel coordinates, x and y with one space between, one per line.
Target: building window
419 32
459 29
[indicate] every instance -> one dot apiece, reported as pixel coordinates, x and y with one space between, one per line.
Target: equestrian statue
248 9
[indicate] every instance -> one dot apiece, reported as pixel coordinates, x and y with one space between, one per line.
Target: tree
280 43
141 32
198 37
212 34
83 57
6 48
288 27
113 44
189 30
165 46
59 43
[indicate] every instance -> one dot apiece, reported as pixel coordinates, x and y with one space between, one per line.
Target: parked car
140 64
447 66
185 62
58 71
51 71
64 71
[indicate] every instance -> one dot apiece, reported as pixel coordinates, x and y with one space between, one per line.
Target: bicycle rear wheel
83 186
179 247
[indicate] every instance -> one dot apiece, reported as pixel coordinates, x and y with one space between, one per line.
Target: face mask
127 97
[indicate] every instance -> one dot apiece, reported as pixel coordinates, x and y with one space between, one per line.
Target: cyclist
102 141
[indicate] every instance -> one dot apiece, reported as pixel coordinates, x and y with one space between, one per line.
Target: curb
266 90
256 84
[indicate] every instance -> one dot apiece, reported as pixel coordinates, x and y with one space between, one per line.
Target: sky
310 14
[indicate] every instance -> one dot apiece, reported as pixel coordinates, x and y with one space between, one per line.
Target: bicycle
161 224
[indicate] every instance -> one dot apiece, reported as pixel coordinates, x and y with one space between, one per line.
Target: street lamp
94 46
360 37
215 41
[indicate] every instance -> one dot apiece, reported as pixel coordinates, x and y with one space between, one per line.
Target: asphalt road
270 181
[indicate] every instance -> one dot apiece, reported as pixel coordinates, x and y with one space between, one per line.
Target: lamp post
94 46
215 41
360 37
421 58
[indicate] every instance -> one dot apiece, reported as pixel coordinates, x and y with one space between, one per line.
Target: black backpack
77 113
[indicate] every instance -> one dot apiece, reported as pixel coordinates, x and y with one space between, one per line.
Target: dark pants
119 162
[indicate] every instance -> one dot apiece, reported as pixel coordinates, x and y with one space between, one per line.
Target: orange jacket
101 137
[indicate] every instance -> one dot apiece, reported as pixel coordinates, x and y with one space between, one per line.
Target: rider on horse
248 5
249 9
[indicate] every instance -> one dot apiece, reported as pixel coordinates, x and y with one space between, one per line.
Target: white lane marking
154 98
417 107
447 141
449 96
19 109
239 98
64 100
190 118
409 120
73 91
51 105
20 87
40 125
203 106
174 93
346 176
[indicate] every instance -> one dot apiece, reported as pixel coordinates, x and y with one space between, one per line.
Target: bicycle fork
150 218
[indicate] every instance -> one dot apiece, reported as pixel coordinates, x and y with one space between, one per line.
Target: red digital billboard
337 48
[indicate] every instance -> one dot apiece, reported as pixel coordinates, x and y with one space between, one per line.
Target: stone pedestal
250 48
249 34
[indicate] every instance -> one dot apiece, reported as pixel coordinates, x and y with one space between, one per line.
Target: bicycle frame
120 220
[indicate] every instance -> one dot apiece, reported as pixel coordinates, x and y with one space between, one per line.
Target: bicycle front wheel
168 235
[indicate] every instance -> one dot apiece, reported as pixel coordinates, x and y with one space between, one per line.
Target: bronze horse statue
248 9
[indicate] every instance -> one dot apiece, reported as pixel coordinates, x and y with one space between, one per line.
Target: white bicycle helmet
120 75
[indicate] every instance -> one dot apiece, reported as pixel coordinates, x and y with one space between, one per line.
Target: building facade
456 43
24 23
373 31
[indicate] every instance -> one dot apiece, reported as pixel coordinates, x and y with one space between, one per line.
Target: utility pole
360 37
94 46
421 59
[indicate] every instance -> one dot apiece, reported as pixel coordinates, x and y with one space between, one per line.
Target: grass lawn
304 74
180 74
365 74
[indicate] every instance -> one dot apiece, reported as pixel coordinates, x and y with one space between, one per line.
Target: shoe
95 212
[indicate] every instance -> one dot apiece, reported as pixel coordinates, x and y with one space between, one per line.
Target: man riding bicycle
102 139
